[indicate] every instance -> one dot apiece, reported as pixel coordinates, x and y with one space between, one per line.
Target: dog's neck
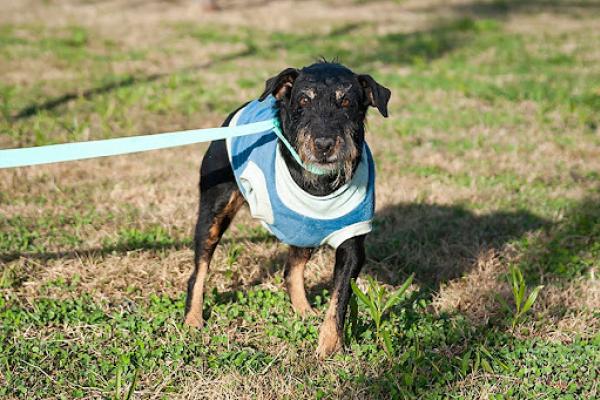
316 185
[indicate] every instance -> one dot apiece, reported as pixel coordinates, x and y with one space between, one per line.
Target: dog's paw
329 343
194 321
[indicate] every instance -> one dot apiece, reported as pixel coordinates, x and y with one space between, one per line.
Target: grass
64 338
489 161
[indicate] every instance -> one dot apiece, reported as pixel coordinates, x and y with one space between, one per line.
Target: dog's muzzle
327 149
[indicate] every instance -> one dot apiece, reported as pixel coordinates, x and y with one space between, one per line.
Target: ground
490 160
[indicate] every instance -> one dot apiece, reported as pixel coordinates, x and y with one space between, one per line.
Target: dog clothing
294 216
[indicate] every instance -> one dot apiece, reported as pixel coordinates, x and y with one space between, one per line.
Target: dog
311 185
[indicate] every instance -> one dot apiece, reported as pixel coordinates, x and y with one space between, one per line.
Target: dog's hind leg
220 200
294 278
212 223
349 259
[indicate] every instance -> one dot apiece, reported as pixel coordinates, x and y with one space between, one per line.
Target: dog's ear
280 85
376 95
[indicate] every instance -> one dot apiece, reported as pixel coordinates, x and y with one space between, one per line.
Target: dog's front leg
349 259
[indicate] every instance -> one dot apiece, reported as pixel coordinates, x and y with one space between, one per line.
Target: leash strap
11 158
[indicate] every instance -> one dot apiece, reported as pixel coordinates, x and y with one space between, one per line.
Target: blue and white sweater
295 217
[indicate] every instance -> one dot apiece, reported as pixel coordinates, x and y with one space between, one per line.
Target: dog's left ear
376 95
280 85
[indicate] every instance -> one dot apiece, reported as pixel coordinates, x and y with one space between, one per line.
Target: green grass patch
570 248
78 347
52 231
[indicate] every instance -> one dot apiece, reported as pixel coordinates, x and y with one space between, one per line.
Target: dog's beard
340 171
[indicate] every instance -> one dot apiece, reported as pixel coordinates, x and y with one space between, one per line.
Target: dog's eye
345 103
304 100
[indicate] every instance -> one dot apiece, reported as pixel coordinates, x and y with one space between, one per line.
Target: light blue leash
11 158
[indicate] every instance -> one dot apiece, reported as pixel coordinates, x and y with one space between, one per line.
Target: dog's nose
324 144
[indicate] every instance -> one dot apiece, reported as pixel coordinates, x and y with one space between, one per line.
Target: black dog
322 110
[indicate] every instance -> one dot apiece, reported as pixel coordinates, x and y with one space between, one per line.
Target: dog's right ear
280 85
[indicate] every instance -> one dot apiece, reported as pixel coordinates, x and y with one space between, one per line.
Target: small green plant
480 358
377 301
522 304
119 384
233 253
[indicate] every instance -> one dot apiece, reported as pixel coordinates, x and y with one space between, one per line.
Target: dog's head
323 108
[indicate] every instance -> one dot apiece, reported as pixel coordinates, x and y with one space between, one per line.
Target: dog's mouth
323 160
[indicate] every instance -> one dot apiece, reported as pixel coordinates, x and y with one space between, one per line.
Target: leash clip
309 167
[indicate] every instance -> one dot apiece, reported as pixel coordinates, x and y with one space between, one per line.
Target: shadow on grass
419 46
504 8
224 6
439 243
119 248
152 240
